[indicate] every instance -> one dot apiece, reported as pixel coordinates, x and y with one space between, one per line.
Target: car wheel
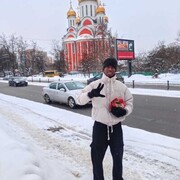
14 85
47 99
71 103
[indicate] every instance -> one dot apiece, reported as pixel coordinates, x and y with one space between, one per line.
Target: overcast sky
147 22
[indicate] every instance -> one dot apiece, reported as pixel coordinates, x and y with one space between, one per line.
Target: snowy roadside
55 144
27 131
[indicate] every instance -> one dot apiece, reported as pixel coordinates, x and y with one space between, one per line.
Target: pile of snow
162 79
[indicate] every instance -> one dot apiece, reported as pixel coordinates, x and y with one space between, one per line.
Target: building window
82 11
73 48
86 10
91 9
79 47
66 49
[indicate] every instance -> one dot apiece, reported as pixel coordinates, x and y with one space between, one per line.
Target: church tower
85 27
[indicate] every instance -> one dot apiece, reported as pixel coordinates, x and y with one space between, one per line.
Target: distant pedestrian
112 102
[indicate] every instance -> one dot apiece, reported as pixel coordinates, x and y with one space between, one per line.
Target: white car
63 92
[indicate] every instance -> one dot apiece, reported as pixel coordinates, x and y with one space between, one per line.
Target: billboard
125 49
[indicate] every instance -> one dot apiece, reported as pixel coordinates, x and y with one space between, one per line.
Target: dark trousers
99 146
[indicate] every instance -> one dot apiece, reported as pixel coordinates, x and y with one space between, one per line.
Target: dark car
99 75
18 81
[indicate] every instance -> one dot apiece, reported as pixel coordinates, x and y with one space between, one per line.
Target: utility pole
129 68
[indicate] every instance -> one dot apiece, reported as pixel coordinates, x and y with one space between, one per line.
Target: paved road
154 114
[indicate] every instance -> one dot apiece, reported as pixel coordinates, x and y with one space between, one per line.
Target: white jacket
100 105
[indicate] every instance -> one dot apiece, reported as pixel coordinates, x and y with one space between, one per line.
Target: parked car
7 77
18 81
52 73
99 75
63 92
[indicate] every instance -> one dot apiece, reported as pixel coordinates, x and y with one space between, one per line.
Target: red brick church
87 36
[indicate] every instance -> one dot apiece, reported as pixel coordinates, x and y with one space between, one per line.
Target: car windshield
99 75
118 75
74 85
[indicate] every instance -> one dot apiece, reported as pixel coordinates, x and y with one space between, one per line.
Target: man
112 102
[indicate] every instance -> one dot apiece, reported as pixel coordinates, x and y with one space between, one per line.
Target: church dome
71 12
100 9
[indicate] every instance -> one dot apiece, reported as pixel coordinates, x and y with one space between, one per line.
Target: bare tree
89 61
58 54
22 48
163 58
35 59
9 52
140 63
178 39
4 60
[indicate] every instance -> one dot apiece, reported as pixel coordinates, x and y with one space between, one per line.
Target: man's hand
96 92
118 111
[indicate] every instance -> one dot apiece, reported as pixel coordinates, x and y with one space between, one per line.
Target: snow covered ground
40 142
140 79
